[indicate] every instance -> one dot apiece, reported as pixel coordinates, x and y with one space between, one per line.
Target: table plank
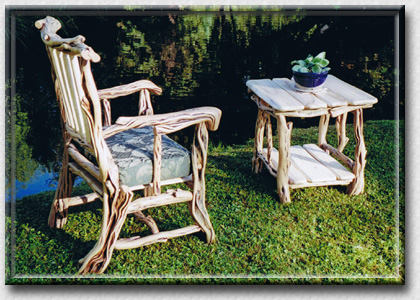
332 99
352 94
274 95
309 166
334 166
309 100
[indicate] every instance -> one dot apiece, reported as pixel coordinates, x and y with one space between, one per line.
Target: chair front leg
59 210
199 160
115 207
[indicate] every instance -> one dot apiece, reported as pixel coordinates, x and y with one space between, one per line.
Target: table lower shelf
310 166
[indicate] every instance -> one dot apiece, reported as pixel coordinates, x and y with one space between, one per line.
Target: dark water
198 59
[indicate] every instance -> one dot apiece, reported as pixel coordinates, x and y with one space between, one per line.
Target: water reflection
198 59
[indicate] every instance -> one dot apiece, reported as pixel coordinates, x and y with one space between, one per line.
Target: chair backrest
75 88
69 78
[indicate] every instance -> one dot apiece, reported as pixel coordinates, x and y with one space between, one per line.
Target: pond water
198 58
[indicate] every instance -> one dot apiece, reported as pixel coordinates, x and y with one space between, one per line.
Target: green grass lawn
324 236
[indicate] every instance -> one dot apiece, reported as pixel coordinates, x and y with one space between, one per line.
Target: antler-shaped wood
76 46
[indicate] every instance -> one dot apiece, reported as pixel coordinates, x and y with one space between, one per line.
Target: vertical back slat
69 75
77 73
77 94
60 77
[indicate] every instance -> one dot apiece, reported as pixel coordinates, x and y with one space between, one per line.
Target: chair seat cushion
132 151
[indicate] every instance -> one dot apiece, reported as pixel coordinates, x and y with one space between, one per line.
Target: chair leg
59 209
115 207
198 204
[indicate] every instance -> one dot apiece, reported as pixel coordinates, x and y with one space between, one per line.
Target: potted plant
312 72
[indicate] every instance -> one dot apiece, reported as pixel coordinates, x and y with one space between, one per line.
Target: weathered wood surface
170 122
258 142
295 176
309 100
334 166
318 160
82 107
284 136
161 237
358 184
167 198
352 94
281 95
340 125
199 161
274 95
49 27
128 89
311 166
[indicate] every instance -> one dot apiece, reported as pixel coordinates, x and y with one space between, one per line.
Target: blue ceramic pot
309 80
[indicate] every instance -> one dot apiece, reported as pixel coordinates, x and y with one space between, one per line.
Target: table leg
357 186
284 134
258 142
323 128
340 126
269 135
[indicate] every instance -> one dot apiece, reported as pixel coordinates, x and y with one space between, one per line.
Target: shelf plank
274 95
334 166
295 176
309 166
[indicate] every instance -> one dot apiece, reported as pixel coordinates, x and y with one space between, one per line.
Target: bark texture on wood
269 136
284 136
340 125
258 142
107 112
157 161
75 46
102 175
59 208
323 129
199 161
358 184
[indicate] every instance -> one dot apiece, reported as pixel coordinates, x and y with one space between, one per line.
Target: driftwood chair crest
117 159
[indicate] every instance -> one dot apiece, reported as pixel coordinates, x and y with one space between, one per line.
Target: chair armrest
170 122
128 89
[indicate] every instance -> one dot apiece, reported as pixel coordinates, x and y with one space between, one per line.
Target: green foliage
324 236
317 64
18 151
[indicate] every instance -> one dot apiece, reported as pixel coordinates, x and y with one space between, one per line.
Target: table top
281 95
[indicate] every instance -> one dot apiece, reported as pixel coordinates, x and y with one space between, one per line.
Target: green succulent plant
317 64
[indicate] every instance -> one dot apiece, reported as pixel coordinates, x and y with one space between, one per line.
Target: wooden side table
309 165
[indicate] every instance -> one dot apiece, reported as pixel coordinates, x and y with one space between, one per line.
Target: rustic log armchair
117 159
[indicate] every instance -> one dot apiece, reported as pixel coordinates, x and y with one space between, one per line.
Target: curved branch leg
340 125
357 186
199 161
59 210
269 135
323 129
257 164
284 134
114 214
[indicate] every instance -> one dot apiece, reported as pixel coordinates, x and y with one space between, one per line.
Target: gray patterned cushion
132 151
